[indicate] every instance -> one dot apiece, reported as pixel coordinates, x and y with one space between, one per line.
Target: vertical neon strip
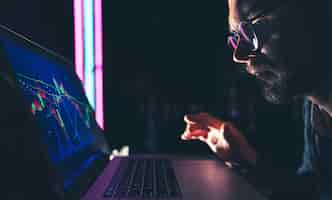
98 33
89 81
79 41
99 63
99 98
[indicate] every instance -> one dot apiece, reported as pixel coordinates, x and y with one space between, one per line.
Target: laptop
76 148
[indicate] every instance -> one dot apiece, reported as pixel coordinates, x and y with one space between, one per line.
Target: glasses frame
235 37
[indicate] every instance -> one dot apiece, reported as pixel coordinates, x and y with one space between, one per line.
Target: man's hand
223 138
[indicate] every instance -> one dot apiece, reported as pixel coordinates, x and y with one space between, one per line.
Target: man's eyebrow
268 10
257 16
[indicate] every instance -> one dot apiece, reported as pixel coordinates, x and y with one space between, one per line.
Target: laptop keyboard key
146 178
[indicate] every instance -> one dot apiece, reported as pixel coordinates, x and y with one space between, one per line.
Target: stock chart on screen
58 103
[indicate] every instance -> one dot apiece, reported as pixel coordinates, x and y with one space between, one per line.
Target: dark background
164 59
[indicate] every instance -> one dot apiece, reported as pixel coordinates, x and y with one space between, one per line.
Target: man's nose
242 53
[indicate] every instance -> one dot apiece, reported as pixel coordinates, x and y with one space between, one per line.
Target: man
284 44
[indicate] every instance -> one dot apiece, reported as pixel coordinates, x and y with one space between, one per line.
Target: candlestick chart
65 118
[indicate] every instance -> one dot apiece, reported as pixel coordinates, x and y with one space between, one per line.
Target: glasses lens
248 33
232 41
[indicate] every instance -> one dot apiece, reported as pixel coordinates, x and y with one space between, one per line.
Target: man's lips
264 69
260 65
263 72
267 76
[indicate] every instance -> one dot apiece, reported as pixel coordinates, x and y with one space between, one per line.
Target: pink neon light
99 63
99 97
98 33
79 40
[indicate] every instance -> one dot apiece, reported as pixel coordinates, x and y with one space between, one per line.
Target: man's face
285 56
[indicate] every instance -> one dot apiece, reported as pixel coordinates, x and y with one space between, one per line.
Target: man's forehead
241 10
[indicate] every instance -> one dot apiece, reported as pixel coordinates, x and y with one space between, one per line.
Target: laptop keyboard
144 178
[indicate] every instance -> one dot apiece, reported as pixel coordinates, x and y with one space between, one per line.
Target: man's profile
284 44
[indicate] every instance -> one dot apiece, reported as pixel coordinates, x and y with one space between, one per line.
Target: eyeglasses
246 32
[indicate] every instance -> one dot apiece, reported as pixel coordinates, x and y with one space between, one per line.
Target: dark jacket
312 179
317 157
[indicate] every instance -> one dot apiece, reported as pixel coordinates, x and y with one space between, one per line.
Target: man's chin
276 95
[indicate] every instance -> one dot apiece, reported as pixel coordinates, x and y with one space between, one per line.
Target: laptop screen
58 103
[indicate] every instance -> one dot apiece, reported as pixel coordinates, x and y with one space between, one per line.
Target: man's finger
195 118
185 137
193 127
204 119
194 134
188 119
203 139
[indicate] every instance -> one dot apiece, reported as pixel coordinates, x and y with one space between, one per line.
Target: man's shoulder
322 122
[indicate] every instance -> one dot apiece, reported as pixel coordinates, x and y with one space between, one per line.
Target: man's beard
282 83
276 94
289 87
279 91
